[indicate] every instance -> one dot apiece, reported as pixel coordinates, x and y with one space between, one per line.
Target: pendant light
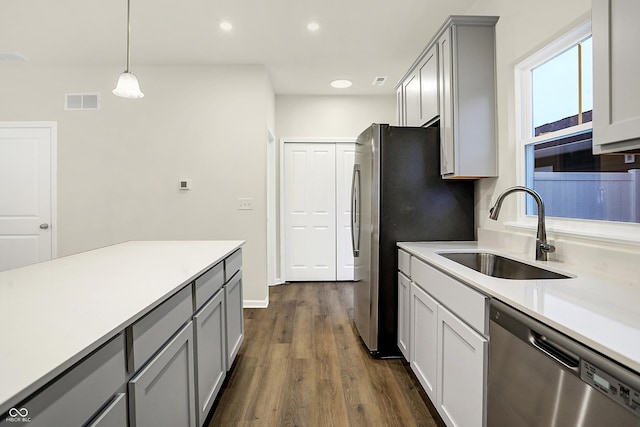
127 86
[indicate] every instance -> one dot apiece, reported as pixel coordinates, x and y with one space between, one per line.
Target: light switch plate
245 204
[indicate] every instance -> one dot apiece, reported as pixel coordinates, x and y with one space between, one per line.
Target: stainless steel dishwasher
540 377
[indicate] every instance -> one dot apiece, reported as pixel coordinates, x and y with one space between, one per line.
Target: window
555 90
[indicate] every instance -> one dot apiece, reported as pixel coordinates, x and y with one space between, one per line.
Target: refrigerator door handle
355 210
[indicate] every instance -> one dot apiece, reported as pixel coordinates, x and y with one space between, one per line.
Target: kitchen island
122 303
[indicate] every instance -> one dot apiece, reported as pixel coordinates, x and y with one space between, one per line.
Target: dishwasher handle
554 351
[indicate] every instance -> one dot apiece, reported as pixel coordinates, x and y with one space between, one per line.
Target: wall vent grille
82 101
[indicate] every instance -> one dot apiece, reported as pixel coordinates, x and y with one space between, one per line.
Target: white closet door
26 186
310 212
345 156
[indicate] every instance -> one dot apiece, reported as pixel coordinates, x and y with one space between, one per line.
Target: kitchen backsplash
619 264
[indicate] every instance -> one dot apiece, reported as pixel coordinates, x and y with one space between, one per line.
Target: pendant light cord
128 31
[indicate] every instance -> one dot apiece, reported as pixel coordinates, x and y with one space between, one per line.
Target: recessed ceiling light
313 26
226 26
341 83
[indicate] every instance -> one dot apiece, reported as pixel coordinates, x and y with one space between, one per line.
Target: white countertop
600 313
54 313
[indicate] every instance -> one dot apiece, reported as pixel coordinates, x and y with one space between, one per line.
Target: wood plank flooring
303 364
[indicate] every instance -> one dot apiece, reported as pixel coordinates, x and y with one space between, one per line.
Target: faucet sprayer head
495 210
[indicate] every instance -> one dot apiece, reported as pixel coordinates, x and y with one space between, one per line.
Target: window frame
599 230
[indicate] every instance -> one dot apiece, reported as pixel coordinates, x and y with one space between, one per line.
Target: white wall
331 116
119 167
523 28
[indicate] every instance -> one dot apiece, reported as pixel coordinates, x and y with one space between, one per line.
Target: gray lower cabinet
424 339
114 415
76 397
234 317
210 339
163 392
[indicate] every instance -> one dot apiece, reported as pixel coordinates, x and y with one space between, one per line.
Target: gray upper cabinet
399 105
428 72
411 89
418 94
457 85
616 87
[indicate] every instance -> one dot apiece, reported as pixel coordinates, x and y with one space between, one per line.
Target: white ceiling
358 39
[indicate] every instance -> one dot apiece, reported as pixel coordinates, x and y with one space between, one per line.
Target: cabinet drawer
208 284
404 262
73 398
152 331
232 264
163 392
468 304
114 415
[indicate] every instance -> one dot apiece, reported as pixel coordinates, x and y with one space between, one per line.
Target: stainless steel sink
499 266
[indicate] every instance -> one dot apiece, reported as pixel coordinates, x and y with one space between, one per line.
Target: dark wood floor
303 364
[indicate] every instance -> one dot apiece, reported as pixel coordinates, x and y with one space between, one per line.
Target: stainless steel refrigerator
397 194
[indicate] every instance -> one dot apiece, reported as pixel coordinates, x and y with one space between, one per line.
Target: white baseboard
256 303
278 281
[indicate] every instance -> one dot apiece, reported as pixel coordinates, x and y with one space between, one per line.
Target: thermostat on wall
185 184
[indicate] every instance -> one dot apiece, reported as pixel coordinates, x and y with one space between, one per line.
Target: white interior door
345 156
26 189
310 212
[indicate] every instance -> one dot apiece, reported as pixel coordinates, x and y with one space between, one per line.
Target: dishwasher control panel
611 386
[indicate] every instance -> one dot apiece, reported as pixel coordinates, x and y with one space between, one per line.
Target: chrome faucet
542 246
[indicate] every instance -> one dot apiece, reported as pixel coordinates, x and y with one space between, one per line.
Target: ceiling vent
379 81
82 101
12 56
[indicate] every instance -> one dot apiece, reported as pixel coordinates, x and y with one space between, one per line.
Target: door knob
44 226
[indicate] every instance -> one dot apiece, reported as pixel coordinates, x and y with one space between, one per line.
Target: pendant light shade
128 86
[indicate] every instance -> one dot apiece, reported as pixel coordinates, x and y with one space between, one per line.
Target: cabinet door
446 104
616 88
400 106
234 317
462 367
424 339
428 70
211 354
404 315
163 392
412 100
